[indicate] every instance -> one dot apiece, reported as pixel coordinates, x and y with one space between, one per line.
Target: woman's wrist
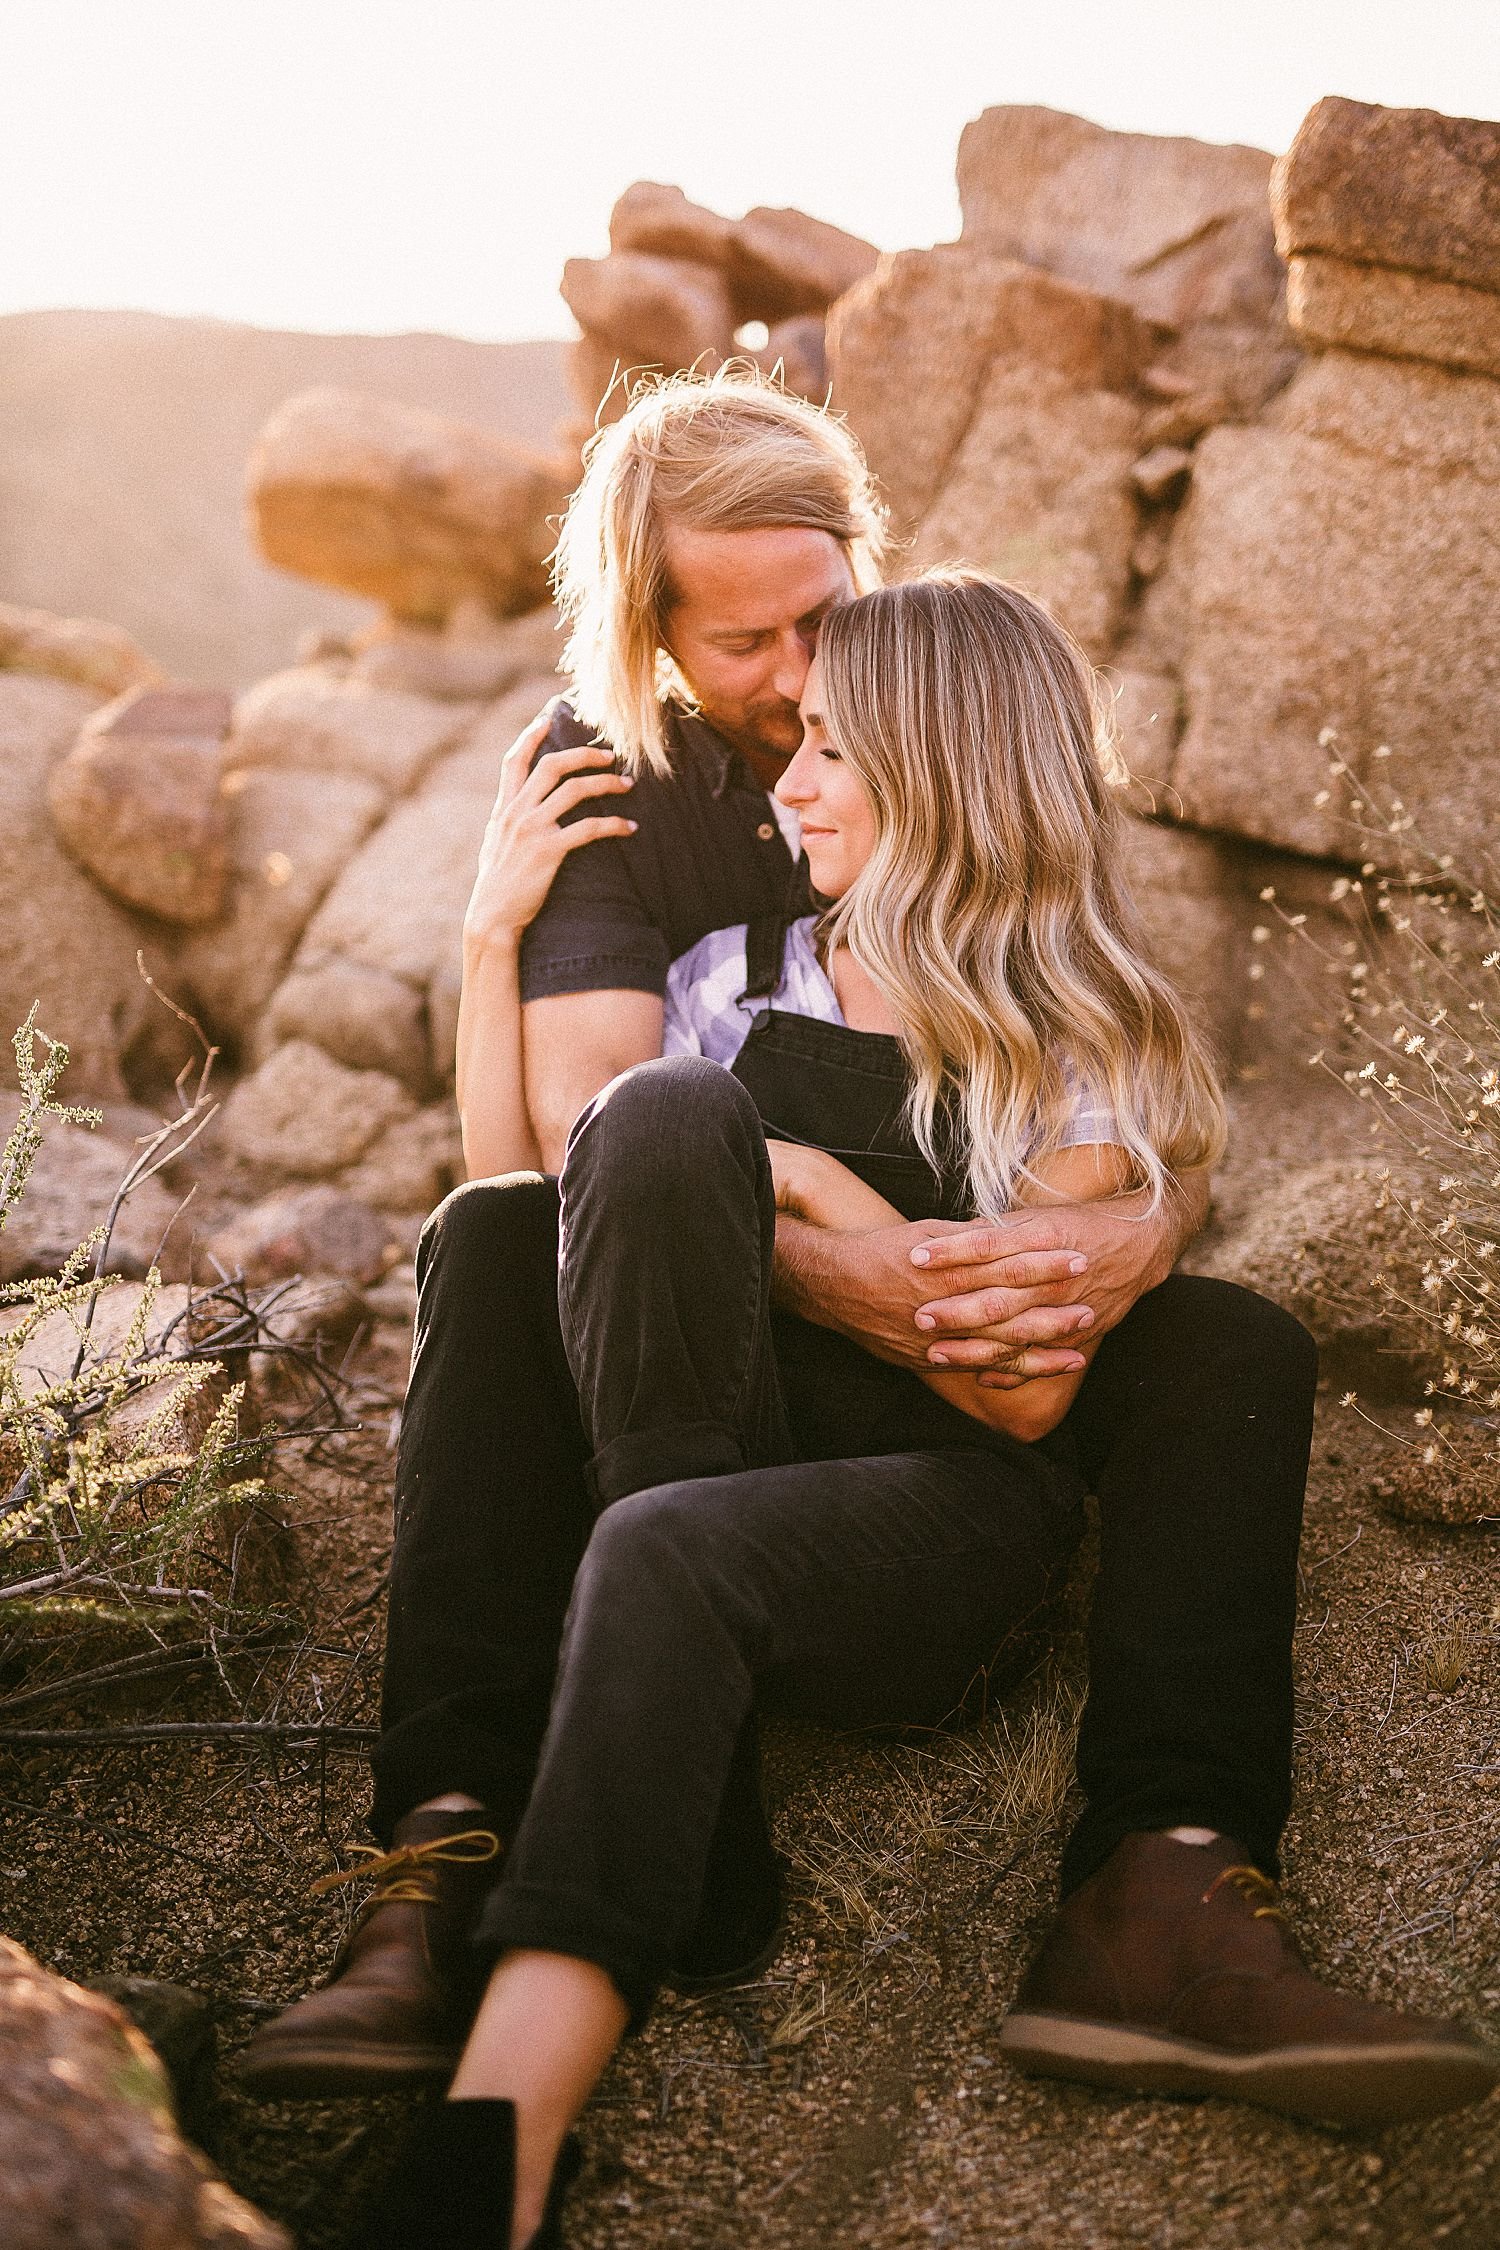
492 942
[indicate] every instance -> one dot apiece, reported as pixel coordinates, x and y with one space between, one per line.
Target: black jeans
1192 1427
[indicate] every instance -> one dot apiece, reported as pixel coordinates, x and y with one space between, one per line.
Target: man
717 524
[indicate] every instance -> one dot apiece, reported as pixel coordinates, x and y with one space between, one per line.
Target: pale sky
397 164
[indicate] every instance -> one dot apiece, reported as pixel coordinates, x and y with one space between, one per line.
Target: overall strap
765 951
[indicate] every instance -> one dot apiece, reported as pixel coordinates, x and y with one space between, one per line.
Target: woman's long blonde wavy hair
992 914
731 451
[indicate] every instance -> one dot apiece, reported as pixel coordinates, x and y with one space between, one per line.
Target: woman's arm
815 1187
523 847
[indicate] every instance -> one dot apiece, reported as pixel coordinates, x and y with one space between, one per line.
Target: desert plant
1417 1037
126 1481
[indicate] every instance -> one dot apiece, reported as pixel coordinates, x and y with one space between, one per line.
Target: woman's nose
795 786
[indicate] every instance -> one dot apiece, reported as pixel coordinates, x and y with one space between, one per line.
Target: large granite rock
290 835
375 978
996 405
303 1114
1391 221
82 649
782 263
138 801
62 942
1393 187
911 346
1192 899
653 217
90 2154
324 719
1336 568
308 1230
1178 228
410 509
651 311
1402 315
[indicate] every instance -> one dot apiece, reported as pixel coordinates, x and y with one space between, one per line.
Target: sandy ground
856 2096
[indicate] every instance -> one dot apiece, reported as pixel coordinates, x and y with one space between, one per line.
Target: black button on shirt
703 857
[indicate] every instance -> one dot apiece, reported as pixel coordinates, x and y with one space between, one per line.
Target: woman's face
838 820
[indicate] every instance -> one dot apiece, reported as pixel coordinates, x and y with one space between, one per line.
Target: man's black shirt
707 853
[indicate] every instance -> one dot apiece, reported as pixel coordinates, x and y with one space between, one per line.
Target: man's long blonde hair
992 914
725 452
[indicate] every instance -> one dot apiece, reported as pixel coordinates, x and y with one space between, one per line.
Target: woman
787 1522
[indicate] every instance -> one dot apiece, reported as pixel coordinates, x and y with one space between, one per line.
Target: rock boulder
651 311
84 650
1391 221
305 1115
1178 228
290 835
90 2154
412 510
1332 587
62 942
138 801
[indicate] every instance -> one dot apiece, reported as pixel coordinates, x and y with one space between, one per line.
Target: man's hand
868 1287
1127 1249
1020 1291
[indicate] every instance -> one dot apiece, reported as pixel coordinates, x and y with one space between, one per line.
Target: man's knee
678 1110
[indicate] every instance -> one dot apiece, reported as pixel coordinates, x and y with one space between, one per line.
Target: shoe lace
1251 1884
407 1873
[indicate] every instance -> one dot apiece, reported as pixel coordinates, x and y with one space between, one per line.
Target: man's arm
1022 1287
572 1045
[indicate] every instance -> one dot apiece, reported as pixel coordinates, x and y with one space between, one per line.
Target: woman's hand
525 843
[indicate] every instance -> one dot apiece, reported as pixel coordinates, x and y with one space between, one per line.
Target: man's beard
764 730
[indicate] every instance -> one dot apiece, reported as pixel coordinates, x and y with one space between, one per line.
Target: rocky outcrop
1179 229
90 2154
1332 589
416 512
375 978
312 1230
71 1186
681 284
290 833
63 944
1390 219
138 801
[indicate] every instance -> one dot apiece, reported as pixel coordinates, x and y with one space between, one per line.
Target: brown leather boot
1172 1971
403 1989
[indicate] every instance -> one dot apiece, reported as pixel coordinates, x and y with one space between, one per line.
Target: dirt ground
856 2096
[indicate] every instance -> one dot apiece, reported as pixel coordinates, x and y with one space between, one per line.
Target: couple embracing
831 1140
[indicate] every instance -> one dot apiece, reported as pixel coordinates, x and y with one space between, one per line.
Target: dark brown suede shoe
403 1990
1172 1971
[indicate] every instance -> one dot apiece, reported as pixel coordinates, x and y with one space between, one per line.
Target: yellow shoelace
1250 1882
403 1873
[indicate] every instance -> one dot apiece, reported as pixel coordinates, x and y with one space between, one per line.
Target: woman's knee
488 1226
653 1546
677 1110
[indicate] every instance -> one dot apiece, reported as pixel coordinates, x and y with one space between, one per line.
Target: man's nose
794 655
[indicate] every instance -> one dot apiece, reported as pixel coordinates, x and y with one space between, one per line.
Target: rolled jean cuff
643 1459
548 1921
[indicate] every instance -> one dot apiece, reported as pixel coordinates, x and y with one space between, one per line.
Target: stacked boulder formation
683 287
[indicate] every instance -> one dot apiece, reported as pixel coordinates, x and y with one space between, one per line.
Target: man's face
744 623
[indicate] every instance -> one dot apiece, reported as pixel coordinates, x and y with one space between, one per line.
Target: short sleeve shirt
711 848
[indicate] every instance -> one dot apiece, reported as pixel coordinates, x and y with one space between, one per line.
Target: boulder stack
681 285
